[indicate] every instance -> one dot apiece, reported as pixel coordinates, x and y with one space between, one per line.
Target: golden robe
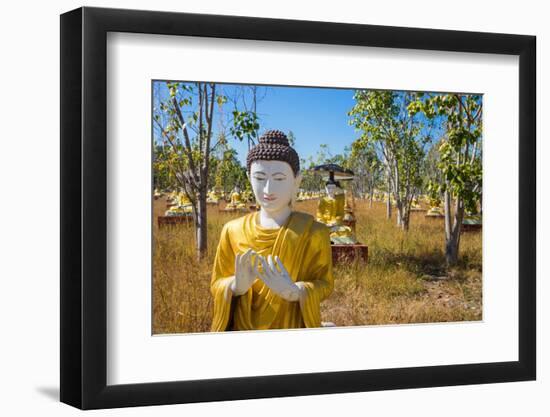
303 246
331 210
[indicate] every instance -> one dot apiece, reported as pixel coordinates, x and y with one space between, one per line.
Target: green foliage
183 129
434 193
367 166
311 180
460 149
245 125
229 172
394 135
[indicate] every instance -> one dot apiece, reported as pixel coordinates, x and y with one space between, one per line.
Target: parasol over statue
334 172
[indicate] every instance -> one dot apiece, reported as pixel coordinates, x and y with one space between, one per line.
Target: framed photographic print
256 208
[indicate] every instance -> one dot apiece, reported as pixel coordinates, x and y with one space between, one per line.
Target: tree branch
188 149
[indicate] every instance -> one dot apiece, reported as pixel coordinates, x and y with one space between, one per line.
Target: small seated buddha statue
246 196
235 202
331 211
172 197
273 267
213 197
415 204
435 209
182 207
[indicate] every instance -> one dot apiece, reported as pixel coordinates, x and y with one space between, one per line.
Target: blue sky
315 115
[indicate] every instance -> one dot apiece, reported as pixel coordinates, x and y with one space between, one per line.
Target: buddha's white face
273 184
331 190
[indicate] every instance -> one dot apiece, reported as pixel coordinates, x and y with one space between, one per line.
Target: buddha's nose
268 187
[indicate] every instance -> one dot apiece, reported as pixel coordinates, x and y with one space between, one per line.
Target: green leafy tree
184 123
459 158
231 172
245 126
164 176
433 176
311 180
398 138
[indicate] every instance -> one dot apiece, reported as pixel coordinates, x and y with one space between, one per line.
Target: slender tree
460 158
367 167
184 122
398 138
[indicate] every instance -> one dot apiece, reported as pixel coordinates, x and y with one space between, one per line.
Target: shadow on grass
432 263
429 264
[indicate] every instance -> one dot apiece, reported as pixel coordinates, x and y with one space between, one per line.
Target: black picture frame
84 207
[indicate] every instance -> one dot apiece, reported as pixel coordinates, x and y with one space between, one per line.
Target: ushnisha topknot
274 146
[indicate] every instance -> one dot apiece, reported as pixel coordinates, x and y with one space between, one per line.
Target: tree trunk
447 203
201 225
403 216
388 200
452 233
399 216
371 197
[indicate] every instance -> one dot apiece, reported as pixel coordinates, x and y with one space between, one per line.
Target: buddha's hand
244 272
276 277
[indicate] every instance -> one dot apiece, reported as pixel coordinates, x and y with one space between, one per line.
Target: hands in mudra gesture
270 270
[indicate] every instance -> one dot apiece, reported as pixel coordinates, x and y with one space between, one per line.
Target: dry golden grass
404 281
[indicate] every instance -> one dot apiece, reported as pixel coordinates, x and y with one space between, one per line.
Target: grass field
404 281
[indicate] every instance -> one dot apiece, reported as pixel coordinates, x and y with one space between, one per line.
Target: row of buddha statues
309 195
333 209
180 205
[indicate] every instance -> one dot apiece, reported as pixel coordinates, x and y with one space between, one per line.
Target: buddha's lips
269 198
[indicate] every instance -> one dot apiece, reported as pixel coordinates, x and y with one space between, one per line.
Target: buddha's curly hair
274 146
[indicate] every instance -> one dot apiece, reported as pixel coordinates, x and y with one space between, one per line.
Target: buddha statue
435 209
331 211
349 206
273 267
235 202
248 200
213 197
171 197
182 207
415 204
